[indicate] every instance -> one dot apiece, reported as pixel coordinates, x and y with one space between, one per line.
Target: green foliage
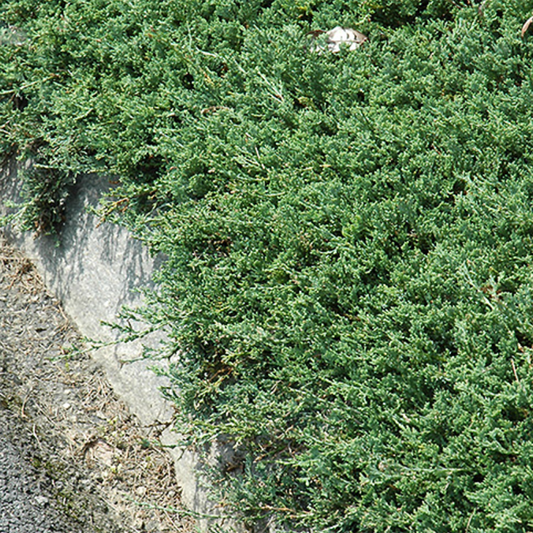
349 237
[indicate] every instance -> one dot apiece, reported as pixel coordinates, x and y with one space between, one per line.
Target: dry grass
73 410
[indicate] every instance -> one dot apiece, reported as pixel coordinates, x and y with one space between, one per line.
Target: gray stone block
94 269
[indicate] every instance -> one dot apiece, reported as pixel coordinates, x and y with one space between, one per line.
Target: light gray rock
94 270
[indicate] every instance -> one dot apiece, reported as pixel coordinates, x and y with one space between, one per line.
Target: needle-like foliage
349 237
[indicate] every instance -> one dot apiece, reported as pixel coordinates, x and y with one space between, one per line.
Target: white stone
338 36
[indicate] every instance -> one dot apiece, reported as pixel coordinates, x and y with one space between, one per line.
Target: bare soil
90 459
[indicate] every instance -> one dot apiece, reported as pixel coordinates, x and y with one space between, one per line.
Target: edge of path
94 269
74 458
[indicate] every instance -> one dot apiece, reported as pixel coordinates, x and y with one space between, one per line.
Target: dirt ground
102 469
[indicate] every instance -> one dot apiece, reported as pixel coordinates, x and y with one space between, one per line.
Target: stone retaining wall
94 269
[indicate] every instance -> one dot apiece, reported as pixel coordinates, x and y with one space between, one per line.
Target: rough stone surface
95 269
72 458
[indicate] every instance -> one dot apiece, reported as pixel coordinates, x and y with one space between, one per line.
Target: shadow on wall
95 269
93 265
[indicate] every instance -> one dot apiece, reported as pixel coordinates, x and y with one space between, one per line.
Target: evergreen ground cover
348 288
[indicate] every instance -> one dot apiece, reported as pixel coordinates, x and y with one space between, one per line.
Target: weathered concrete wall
94 269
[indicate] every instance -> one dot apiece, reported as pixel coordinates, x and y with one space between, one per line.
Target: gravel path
72 459
27 500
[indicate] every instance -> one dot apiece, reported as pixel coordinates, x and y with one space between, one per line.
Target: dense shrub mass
349 283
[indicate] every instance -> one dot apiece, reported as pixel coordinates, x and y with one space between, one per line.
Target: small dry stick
514 371
525 27
470 520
